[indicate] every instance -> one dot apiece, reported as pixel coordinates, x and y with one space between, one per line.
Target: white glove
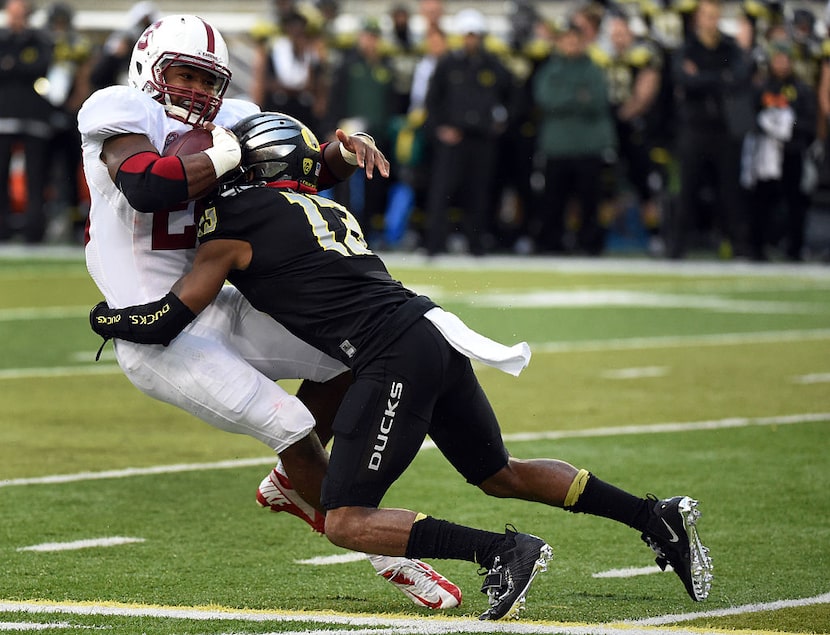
225 153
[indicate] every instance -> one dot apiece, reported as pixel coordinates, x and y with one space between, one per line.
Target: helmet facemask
181 40
195 107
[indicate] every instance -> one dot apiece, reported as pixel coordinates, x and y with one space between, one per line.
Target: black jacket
721 72
474 93
24 58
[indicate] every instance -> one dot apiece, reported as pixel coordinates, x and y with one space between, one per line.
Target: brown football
190 142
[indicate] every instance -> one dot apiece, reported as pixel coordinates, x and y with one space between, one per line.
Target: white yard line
735 610
815 378
635 373
341 558
649 428
630 572
60 371
682 341
43 313
14 627
112 541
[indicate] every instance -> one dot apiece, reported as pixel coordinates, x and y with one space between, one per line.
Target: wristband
349 156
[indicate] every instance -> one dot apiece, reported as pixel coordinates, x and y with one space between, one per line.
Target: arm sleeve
152 183
151 323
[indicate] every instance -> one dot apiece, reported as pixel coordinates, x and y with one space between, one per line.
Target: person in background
712 78
468 107
25 118
410 158
634 72
363 90
576 132
287 74
786 128
111 65
68 88
405 51
431 13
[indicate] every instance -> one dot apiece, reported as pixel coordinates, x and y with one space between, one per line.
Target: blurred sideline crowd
658 126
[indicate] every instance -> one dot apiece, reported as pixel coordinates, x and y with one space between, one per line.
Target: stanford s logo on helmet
279 150
181 40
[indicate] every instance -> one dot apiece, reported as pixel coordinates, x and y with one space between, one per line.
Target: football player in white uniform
142 238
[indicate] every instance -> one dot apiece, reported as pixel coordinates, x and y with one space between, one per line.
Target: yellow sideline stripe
429 623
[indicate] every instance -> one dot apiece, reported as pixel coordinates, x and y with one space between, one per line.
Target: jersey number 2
165 224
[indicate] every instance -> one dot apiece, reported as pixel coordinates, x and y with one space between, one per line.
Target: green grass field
671 378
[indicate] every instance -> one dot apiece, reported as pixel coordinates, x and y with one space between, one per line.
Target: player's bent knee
343 527
503 484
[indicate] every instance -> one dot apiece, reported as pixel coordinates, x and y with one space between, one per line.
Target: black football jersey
312 270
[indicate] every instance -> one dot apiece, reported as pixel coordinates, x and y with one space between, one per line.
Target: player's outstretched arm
351 152
160 321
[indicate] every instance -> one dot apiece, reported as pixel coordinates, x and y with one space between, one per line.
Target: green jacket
575 116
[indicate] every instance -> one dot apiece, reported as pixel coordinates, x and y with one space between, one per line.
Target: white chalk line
682 341
340 558
814 378
630 572
640 372
735 610
88 543
653 428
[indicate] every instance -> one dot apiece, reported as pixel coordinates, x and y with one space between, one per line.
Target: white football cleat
275 493
418 581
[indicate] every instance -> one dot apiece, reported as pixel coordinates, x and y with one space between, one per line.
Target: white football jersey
135 257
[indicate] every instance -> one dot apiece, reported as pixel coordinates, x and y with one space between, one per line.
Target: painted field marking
814 378
602 298
652 428
635 373
112 541
342 558
139 471
25 314
60 371
36 626
432 624
735 610
682 341
630 572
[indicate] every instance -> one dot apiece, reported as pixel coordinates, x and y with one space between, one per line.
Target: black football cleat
672 534
508 580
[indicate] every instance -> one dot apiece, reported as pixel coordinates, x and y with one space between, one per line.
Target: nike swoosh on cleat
674 536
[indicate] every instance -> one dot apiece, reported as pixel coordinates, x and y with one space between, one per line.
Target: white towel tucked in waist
510 359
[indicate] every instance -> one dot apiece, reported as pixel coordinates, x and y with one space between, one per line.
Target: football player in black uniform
303 259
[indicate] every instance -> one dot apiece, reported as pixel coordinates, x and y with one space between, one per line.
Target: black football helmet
277 149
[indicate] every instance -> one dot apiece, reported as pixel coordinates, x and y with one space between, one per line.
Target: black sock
603 499
433 538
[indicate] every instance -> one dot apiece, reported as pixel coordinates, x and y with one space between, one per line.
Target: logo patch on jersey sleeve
207 223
